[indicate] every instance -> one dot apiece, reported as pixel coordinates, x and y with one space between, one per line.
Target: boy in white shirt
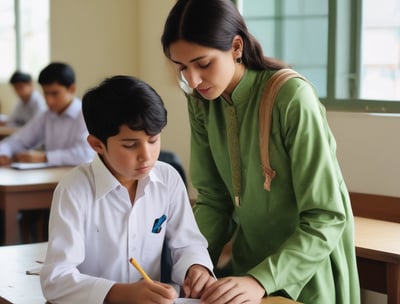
30 102
56 136
124 204
59 131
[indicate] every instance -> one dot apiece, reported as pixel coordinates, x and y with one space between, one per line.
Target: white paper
186 301
26 166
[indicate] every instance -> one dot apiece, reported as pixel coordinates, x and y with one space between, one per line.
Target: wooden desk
25 190
378 256
18 287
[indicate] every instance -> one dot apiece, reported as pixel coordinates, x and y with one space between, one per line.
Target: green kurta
297 240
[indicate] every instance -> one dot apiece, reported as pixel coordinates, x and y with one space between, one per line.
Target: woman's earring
239 60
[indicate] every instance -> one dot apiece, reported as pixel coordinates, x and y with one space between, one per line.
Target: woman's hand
198 278
234 290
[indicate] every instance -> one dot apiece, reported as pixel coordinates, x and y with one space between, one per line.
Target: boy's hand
197 279
141 292
5 160
31 157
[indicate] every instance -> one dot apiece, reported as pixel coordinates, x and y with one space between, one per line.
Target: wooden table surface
378 256
18 287
25 190
377 239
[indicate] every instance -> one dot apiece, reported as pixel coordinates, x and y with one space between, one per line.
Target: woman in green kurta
295 240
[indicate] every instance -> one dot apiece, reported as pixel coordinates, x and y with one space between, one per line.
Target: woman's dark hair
123 100
214 24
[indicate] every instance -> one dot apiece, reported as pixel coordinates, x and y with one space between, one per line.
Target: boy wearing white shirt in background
56 137
60 130
124 204
29 104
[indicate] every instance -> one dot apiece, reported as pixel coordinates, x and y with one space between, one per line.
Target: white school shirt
62 136
94 230
23 112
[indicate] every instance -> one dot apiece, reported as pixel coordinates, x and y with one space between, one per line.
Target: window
350 50
380 60
24 36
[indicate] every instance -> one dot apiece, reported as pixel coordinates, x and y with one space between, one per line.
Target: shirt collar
105 181
74 110
245 87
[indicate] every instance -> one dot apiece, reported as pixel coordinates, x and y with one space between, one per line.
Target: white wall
369 151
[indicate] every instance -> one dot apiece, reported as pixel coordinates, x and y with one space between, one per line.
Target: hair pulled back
214 24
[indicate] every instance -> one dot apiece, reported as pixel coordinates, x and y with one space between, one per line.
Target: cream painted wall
154 68
369 151
97 37
7 98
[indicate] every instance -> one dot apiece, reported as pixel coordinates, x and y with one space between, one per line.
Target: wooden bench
377 238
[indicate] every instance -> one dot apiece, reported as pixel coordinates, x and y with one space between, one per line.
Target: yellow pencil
140 269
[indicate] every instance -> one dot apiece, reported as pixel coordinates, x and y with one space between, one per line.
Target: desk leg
10 225
393 283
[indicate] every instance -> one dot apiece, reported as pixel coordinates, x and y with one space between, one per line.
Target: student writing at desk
60 130
123 204
295 237
29 104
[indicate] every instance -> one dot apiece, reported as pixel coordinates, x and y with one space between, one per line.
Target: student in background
60 130
296 240
29 104
56 136
123 204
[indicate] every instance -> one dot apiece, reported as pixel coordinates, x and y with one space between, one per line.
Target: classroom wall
100 38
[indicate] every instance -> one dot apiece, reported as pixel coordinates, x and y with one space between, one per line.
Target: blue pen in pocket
157 224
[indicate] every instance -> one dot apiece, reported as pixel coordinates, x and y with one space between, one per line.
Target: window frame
352 38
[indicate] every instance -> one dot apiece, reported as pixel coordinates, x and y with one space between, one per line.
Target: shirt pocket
152 246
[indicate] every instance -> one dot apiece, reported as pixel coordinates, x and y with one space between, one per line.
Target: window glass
35 35
25 44
350 50
380 58
294 31
7 39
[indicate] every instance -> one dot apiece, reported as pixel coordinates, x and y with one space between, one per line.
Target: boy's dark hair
18 77
123 100
58 72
